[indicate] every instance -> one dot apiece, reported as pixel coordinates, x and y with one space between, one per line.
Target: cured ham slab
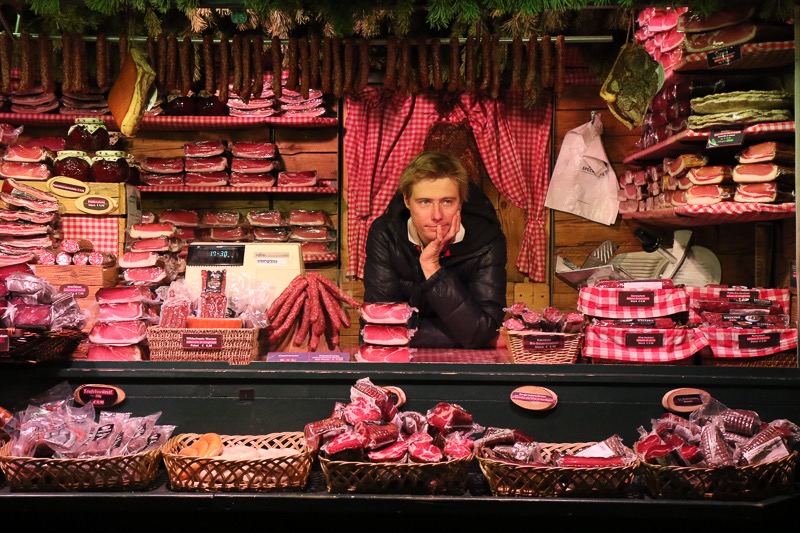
25 171
101 352
119 333
689 22
162 165
760 172
253 150
180 217
205 164
145 275
265 218
139 259
252 166
708 194
206 179
305 217
240 179
221 218
383 354
710 174
113 312
756 192
24 153
386 313
204 149
155 179
767 152
306 178
124 294
382 335
152 230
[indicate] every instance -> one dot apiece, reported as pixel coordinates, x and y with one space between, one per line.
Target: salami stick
224 69
46 62
486 62
5 62
436 63
100 61
338 81
236 57
454 75
560 66
390 77
163 58
289 320
208 63
305 325
172 63
363 65
313 54
293 289
516 65
349 65
257 47
247 69
496 71
305 67
81 64
123 50
286 309
326 74
66 64
469 65
291 64
335 290
313 289
422 58
547 62
332 307
404 65
25 61
317 330
277 67
531 67
187 70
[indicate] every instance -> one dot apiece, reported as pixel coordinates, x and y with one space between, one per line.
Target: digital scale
276 263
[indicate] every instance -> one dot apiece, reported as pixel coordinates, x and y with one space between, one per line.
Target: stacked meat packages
638 321
313 230
28 222
759 173
687 44
214 164
31 303
386 332
742 322
122 316
151 257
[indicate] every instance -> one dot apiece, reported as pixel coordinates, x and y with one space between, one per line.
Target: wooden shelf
708 215
691 141
234 190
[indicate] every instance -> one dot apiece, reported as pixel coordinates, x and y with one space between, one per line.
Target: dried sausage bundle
308 308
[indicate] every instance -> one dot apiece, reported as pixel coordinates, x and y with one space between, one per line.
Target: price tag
99 395
721 138
534 398
685 399
725 56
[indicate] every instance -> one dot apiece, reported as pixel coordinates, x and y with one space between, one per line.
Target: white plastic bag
583 181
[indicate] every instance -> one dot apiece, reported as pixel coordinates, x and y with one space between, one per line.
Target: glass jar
88 134
73 164
110 166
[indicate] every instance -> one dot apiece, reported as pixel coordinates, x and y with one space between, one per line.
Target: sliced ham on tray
113 312
708 194
25 171
767 152
756 192
383 354
382 335
23 153
761 172
710 174
386 312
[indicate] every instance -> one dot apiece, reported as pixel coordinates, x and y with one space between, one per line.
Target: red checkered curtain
385 132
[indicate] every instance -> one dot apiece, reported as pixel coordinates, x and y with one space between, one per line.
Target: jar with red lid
110 166
73 164
88 134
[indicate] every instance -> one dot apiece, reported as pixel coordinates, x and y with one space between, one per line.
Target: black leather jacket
461 306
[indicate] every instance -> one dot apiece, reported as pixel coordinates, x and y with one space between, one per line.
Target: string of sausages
338 66
310 307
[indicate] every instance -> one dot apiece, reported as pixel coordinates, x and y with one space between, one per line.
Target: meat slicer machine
683 263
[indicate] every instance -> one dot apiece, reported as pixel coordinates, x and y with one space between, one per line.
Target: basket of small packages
718 453
515 464
549 337
369 446
211 462
56 444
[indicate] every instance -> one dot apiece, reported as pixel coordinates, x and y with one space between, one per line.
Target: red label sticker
644 340
635 299
99 395
194 341
96 203
759 340
76 289
69 186
543 342
531 397
725 56
685 400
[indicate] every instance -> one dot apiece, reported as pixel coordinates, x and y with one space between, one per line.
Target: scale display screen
216 255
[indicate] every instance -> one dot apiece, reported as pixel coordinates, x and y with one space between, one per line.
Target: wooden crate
111 230
82 281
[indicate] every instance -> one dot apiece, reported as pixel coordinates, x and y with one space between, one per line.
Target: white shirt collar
413 235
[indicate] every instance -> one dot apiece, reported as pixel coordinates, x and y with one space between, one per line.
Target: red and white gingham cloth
740 343
754 56
101 231
780 296
626 303
386 130
668 345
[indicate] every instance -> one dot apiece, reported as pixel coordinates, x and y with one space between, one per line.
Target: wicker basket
209 474
543 347
125 472
514 479
39 347
754 482
446 477
785 359
234 346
